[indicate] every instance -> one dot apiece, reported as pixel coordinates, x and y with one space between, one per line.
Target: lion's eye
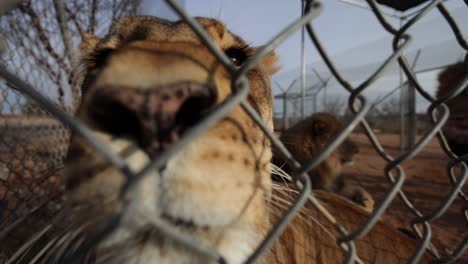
237 55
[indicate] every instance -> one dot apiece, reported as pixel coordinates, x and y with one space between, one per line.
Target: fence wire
20 84
38 55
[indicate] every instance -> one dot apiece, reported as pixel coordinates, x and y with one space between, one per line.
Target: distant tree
42 36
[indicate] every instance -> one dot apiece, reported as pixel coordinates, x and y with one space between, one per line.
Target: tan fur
220 182
316 239
456 128
306 139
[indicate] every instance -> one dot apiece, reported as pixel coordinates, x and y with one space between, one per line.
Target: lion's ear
270 63
87 46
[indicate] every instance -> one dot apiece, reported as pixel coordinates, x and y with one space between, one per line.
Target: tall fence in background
24 83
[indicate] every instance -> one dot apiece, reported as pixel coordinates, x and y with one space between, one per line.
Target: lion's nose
154 117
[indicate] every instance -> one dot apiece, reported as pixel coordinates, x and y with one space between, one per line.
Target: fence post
408 114
411 118
303 64
285 112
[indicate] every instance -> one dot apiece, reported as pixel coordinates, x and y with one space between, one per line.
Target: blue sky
351 35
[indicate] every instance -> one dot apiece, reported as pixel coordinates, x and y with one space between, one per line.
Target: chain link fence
38 46
40 40
29 169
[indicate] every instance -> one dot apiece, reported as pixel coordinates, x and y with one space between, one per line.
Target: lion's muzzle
154 118
149 95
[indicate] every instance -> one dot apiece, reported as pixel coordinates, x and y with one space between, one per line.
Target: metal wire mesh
358 105
37 54
33 144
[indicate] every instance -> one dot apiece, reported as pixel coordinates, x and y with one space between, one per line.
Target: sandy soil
426 185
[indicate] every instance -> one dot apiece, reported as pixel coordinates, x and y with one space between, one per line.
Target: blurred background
351 34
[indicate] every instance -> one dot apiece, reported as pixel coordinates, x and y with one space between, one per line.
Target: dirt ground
426 185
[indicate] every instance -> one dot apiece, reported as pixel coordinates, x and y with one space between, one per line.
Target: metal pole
285 112
411 119
285 104
325 102
286 93
303 64
403 107
408 111
324 84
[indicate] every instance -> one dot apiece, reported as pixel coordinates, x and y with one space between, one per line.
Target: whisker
28 245
279 172
284 208
111 255
22 256
283 203
77 245
43 250
304 216
58 251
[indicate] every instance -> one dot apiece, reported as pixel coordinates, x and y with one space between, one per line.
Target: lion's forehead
136 28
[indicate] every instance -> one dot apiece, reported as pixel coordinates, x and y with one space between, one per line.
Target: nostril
110 114
154 117
193 109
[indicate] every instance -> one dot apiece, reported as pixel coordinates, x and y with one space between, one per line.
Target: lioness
146 83
456 128
306 139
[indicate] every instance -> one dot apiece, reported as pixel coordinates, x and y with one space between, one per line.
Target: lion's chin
153 246
145 238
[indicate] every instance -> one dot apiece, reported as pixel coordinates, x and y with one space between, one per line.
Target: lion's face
320 129
456 128
309 137
146 84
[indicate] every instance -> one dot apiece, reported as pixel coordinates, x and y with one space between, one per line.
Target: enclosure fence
358 105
